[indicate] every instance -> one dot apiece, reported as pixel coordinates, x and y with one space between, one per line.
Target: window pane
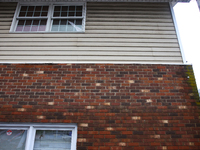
28 22
38 8
27 28
44 14
31 8
63 24
79 8
65 8
57 8
12 139
55 25
21 22
52 139
20 25
56 14
64 14
45 8
71 13
37 14
22 14
78 13
42 26
19 28
35 22
23 8
71 8
34 28
29 14
56 22
78 21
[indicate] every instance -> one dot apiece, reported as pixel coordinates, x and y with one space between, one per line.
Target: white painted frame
49 16
31 130
171 4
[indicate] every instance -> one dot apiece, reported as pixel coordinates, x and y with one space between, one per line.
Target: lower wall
116 107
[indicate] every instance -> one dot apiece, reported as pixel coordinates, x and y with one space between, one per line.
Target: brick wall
116 107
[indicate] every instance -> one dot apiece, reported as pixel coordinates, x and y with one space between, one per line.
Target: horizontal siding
115 32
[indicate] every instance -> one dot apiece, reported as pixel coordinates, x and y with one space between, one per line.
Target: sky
188 20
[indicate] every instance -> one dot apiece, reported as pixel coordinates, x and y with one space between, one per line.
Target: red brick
104 148
133 144
104 132
115 102
110 136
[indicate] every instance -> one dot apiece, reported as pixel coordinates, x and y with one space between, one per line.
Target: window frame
31 130
49 16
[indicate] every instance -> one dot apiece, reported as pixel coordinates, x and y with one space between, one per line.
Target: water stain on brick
155 136
164 121
145 90
109 129
78 94
21 109
136 117
149 101
98 84
191 94
25 75
131 81
89 107
83 124
40 117
182 107
50 103
191 143
39 72
89 69
179 88
81 140
122 144
112 87
106 104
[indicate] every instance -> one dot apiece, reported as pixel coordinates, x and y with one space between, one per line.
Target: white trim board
177 33
92 62
94 0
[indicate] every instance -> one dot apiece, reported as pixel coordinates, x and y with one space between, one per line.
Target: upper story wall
114 32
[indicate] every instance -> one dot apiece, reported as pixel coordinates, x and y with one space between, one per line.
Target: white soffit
94 0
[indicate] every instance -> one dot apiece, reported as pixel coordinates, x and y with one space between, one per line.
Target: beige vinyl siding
114 32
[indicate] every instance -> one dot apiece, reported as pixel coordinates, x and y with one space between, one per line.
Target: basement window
38 137
49 17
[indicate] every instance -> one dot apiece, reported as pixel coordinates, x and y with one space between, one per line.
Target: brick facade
116 106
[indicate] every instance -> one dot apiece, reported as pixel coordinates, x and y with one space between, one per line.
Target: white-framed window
49 17
38 136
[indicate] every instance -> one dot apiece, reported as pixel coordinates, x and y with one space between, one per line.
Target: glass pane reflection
52 140
12 139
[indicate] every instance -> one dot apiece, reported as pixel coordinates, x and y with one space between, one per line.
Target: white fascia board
94 0
198 2
93 62
178 33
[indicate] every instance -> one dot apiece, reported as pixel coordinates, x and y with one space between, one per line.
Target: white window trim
49 16
31 130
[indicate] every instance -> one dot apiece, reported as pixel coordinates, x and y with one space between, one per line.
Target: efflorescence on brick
116 107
